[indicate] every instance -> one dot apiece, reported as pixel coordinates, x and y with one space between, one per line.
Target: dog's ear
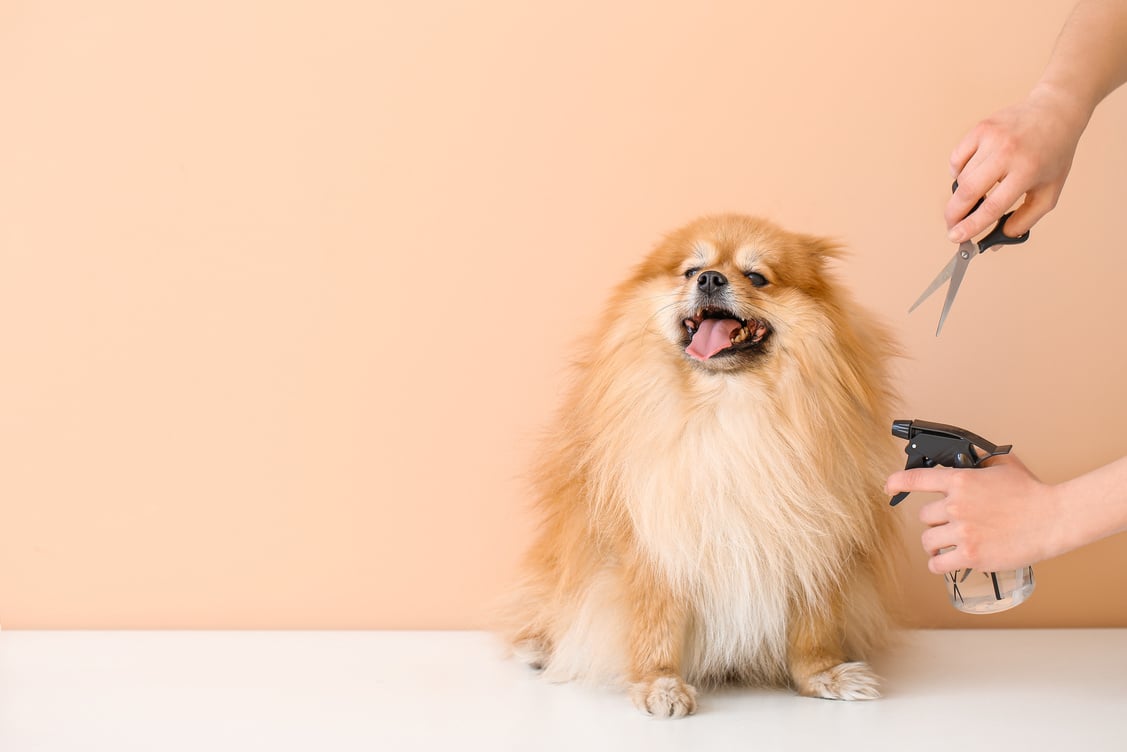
804 260
819 248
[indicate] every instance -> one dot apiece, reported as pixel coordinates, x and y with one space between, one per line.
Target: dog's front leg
816 657
657 636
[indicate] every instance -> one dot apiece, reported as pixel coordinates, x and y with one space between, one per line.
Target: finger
932 479
934 513
947 562
964 150
935 539
996 203
975 182
1037 204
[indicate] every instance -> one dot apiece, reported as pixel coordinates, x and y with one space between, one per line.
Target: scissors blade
943 276
966 252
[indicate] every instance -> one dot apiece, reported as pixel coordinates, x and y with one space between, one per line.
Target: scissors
956 268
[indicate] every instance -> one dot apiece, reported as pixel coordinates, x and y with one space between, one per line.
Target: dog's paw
845 681
532 652
664 697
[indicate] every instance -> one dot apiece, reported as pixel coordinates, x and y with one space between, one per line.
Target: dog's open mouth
715 331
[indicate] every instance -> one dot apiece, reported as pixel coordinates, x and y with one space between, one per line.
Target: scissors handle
999 238
995 236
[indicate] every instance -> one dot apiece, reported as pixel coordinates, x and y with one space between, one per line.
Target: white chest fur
723 504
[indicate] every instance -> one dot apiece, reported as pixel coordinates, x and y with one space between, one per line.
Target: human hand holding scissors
956 268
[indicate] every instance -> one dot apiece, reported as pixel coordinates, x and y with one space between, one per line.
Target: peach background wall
288 289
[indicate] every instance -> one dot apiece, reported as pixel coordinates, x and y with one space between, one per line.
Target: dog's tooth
740 335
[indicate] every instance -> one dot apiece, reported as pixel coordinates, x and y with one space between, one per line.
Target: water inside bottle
978 592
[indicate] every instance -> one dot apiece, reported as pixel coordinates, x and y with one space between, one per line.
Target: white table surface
278 691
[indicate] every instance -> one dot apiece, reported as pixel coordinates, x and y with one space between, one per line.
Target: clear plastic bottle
976 592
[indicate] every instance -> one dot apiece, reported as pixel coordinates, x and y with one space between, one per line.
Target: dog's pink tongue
712 336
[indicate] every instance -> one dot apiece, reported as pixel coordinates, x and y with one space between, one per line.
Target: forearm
1093 506
1089 60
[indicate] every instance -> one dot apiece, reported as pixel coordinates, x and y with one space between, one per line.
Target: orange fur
717 520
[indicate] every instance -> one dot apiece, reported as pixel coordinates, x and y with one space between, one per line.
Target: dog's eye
757 279
690 273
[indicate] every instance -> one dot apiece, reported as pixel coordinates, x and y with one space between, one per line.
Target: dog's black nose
710 282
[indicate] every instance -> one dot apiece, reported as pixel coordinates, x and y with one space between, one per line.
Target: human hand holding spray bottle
937 444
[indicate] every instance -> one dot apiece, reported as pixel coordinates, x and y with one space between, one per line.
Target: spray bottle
935 444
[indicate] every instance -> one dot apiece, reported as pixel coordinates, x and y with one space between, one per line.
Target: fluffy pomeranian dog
712 493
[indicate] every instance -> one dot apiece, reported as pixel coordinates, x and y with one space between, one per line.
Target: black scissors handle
995 236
